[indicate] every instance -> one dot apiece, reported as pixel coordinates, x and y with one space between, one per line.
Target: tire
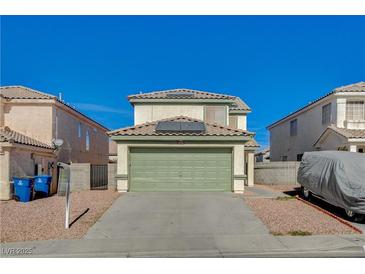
306 194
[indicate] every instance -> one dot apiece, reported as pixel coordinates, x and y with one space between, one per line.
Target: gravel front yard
43 219
291 216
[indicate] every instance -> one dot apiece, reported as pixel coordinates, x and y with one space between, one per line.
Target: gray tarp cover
337 176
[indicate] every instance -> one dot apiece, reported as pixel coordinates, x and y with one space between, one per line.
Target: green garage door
180 169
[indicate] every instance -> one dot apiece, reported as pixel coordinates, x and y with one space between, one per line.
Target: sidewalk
224 246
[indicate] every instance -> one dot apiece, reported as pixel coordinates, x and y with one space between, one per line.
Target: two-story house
185 140
335 121
29 122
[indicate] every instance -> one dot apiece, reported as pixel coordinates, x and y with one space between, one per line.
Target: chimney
60 96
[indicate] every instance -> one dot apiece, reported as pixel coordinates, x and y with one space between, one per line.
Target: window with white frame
355 110
79 130
294 127
87 140
326 114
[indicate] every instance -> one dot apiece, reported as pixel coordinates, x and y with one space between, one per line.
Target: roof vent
185 94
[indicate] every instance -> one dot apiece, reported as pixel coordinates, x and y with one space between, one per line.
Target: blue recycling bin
42 184
23 188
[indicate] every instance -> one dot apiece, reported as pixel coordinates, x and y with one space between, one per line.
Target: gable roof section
183 92
252 143
8 135
21 92
149 129
344 132
190 94
356 87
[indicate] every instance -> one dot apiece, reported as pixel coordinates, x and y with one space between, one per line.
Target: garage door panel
175 169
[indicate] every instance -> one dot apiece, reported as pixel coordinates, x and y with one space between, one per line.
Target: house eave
181 138
181 101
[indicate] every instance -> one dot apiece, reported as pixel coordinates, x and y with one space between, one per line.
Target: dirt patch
43 219
293 217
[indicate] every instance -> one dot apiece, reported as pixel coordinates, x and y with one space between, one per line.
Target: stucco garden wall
276 173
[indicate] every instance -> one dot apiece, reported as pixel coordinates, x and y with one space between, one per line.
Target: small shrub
299 233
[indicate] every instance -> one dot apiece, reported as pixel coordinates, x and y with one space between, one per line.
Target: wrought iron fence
98 177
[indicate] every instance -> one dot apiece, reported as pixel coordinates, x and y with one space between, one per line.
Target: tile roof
360 86
182 93
356 87
348 133
238 104
20 92
149 129
252 143
8 135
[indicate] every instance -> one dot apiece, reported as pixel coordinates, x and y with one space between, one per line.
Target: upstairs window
355 110
233 121
294 127
216 114
326 114
79 130
87 140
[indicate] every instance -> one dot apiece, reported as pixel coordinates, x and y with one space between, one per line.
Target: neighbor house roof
21 92
190 94
344 132
149 129
8 135
356 87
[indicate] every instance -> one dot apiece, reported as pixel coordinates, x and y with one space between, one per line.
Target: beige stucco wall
45 120
31 119
74 148
152 112
238 162
310 129
147 113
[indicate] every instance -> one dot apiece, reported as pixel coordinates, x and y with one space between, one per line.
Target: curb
330 214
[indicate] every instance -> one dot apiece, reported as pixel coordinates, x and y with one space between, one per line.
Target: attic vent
180 95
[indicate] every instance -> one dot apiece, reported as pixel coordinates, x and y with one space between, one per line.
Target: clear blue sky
274 63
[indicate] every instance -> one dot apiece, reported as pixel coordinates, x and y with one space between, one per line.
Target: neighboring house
263 156
185 140
335 121
29 122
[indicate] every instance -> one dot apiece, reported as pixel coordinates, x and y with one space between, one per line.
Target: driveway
176 221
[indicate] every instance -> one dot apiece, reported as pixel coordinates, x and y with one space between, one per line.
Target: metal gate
98 177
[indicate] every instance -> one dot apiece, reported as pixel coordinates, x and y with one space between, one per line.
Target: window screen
216 114
355 110
233 121
326 114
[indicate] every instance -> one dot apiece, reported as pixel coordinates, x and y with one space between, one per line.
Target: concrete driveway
178 221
